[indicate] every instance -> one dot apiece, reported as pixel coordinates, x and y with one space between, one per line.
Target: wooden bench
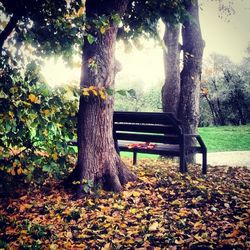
155 133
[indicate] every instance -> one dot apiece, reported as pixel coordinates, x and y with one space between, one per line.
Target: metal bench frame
162 129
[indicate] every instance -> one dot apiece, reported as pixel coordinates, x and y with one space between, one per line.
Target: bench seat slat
174 150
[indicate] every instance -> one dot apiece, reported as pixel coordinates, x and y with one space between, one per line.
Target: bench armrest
198 138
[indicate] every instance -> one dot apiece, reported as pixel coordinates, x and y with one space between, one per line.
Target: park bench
155 133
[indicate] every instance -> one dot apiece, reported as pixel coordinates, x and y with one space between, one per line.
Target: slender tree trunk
8 29
220 115
171 87
193 46
97 158
211 106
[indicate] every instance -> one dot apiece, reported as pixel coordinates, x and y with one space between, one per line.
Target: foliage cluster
36 122
49 27
138 100
162 209
225 92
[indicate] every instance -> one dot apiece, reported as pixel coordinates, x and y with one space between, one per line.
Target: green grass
217 139
226 138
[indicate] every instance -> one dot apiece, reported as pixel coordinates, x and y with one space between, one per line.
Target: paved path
232 158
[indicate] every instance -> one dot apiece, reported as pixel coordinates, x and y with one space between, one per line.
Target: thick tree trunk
193 46
8 29
171 87
97 158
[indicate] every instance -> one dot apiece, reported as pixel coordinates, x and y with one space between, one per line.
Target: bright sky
226 35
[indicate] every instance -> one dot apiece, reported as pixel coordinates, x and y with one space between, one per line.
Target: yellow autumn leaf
201 187
183 212
126 194
11 114
54 156
123 225
107 246
197 225
19 171
136 193
103 97
101 92
12 172
80 11
197 237
45 132
176 202
102 29
133 210
94 92
25 171
85 93
53 247
46 112
107 225
33 98
69 234
179 242
26 103
90 202
58 125
23 207
154 226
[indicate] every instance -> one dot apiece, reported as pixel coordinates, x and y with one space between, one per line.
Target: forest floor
162 209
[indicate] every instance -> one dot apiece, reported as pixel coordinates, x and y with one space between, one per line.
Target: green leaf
122 92
132 93
90 39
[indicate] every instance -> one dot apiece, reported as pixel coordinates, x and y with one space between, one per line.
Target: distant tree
226 89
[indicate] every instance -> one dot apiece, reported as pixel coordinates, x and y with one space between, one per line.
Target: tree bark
193 46
97 158
171 87
8 29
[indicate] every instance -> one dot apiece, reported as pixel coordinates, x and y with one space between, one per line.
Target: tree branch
8 29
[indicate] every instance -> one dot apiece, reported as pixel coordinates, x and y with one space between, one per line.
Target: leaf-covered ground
162 210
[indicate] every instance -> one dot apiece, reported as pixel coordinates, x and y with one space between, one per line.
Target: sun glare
56 73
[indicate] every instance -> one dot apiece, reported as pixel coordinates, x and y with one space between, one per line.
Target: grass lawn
226 138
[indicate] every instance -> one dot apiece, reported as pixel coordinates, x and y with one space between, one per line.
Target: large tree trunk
97 158
171 87
193 46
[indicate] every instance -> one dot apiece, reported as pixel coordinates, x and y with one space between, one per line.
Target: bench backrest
147 127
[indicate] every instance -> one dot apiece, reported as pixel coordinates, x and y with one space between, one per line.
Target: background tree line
224 93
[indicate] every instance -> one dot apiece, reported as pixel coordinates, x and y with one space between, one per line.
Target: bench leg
183 164
204 163
134 158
